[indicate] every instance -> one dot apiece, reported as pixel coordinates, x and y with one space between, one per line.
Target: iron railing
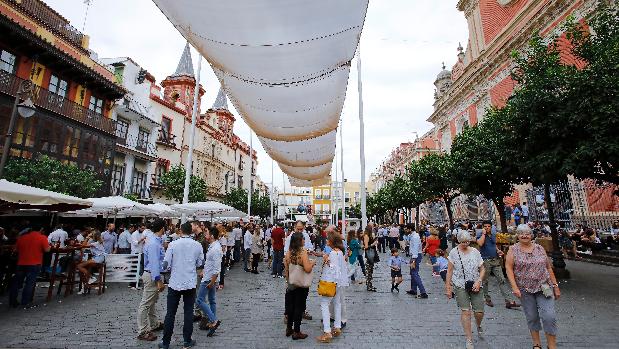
51 20
46 99
140 145
165 138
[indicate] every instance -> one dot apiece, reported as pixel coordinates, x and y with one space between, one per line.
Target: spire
221 102
185 65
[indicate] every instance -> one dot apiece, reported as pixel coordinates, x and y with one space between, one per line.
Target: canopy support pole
364 217
284 203
333 193
251 170
343 200
188 164
271 192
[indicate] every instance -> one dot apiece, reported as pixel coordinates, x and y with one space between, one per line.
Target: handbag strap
462 264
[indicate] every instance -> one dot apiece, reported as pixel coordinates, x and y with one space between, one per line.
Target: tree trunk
500 206
417 218
447 199
557 257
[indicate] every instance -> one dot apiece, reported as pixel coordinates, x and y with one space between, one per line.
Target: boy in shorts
395 263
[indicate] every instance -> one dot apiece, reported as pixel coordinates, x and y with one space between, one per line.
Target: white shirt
308 243
394 232
525 210
124 240
80 238
267 234
58 235
247 238
414 248
230 240
212 262
137 246
237 233
471 261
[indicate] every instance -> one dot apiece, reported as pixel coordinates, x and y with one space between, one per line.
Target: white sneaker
81 291
469 344
92 280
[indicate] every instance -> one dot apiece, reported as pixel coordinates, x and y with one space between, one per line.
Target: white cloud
403 45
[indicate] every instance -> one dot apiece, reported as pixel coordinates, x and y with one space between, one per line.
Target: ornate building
164 111
72 92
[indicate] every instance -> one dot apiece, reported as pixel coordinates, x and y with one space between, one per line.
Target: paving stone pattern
251 307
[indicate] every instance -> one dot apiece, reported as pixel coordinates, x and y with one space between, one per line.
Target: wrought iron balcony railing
165 138
46 99
141 145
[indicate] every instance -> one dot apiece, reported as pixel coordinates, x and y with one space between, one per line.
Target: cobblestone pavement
251 308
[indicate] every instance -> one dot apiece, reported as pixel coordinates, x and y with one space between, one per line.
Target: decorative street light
25 109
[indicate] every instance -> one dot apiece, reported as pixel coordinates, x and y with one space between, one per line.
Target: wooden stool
100 283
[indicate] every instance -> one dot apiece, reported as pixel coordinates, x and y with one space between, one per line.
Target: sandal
537 347
325 338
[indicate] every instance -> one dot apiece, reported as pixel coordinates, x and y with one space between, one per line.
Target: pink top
530 268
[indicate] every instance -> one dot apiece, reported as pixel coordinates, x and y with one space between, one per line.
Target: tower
180 86
442 82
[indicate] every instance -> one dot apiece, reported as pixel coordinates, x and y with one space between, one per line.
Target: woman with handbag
256 249
465 272
298 271
334 274
530 274
371 256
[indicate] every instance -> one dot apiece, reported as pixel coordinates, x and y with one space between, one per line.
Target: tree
237 198
260 204
173 182
491 154
436 177
592 96
50 174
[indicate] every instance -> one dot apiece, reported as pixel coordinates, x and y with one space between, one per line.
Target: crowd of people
191 261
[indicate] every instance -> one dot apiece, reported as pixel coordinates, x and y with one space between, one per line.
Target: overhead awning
14 196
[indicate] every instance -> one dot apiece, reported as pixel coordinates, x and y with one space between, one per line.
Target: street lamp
26 109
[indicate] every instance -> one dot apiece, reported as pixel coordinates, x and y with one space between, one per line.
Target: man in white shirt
394 234
237 234
58 235
137 241
308 242
415 263
247 239
124 240
267 241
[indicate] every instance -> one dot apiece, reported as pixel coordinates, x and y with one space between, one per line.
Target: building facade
158 118
74 94
295 200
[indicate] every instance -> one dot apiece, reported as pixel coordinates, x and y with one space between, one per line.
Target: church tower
179 87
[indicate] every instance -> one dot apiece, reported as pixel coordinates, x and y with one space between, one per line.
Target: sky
403 45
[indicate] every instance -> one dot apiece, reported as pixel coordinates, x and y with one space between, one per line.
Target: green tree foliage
173 182
51 174
491 154
260 204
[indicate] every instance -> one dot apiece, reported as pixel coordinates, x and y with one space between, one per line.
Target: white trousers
337 310
342 291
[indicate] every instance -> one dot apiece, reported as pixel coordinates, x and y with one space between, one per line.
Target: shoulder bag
298 277
326 288
468 284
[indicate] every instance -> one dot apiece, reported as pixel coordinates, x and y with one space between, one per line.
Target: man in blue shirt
415 263
183 257
208 286
148 321
486 239
110 239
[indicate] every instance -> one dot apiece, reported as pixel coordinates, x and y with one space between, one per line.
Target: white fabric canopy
118 206
15 195
202 208
284 64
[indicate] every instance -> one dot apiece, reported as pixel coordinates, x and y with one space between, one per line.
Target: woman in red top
432 244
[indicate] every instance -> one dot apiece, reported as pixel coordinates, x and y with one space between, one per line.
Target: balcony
131 144
51 20
46 99
166 139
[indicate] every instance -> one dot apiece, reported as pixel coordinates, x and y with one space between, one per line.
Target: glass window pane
7 62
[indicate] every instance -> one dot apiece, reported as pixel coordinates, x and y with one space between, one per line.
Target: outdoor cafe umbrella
208 208
14 196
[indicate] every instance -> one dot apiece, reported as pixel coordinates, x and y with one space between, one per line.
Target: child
441 264
395 263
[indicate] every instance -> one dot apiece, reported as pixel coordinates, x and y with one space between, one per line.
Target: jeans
361 263
433 261
415 278
381 244
296 302
29 274
337 311
174 298
209 309
237 250
278 262
246 255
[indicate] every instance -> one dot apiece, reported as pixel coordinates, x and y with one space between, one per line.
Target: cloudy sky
403 45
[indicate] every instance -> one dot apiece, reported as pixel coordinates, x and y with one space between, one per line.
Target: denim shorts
99 259
466 300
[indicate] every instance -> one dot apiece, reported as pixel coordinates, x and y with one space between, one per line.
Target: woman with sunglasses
465 272
530 274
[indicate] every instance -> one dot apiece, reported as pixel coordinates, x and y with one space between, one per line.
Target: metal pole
9 136
336 180
251 168
285 204
364 217
188 164
272 188
343 200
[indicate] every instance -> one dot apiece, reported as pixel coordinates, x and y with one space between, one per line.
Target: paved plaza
251 308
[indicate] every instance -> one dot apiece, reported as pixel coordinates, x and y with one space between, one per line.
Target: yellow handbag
326 288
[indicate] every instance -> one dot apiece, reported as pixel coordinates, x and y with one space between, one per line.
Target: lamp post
25 109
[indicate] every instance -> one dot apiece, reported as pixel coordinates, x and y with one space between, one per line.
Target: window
7 61
142 138
347 197
160 170
96 105
139 183
326 207
318 193
122 126
212 150
58 86
326 194
240 164
317 208
240 181
118 180
166 127
227 182
356 196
